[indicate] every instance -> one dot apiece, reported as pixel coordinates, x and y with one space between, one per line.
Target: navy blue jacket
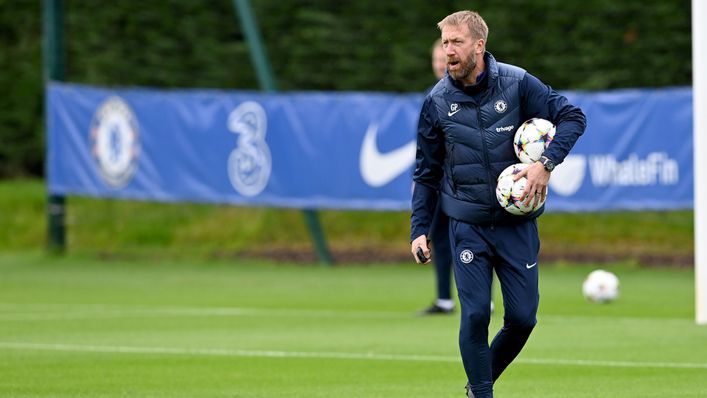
465 140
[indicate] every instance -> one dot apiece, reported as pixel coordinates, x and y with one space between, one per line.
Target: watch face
547 163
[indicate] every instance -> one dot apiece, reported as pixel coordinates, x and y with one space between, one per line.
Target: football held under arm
540 100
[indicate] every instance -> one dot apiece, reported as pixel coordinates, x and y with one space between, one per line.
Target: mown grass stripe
331 355
45 311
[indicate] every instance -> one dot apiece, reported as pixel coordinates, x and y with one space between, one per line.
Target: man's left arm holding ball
540 100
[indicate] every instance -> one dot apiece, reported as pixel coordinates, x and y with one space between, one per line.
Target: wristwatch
547 163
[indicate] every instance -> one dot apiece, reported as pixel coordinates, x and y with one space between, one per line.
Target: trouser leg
472 272
517 250
442 254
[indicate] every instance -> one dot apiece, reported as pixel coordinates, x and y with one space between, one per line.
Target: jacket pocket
452 173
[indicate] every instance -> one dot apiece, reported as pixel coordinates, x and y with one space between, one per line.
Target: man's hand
536 187
420 242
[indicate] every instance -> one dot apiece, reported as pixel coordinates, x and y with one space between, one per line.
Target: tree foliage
362 45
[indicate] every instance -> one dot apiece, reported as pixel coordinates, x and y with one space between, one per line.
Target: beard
465 68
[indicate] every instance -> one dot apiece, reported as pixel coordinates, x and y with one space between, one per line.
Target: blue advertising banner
337 150
635 154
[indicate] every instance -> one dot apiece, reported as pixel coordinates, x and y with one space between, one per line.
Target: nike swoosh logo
378 169
568 176
529 266
452 113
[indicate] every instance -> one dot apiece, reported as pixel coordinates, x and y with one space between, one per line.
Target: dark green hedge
361 45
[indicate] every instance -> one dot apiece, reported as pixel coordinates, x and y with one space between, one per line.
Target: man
464 141
439 229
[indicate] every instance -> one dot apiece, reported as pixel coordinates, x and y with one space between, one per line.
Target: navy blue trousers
512 252
442 256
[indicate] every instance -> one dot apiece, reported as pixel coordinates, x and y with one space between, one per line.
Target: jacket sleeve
428 170
540 100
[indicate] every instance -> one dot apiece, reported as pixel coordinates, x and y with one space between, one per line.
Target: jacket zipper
487 164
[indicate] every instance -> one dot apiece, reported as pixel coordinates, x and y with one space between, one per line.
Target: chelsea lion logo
466 256
249 164
500 106
115 141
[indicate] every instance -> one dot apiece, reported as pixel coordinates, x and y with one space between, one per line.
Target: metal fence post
53 48
267 82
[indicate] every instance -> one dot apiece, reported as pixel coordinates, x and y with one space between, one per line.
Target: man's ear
480 44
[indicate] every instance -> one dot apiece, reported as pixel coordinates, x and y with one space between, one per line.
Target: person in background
464 141
439 230
439 60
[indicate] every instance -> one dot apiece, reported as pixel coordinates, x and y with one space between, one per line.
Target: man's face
439 62
461 51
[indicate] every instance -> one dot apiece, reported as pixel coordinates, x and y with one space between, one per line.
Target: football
531 139
508 192
601 286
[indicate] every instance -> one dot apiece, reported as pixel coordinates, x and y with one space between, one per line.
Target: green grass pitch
79 327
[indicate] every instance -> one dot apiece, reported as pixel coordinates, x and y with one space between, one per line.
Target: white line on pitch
118 312
331 355
611 364
222 352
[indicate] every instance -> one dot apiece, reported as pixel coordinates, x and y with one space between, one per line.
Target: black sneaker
434 309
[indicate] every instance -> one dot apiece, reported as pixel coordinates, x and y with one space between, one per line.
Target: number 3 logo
250 164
